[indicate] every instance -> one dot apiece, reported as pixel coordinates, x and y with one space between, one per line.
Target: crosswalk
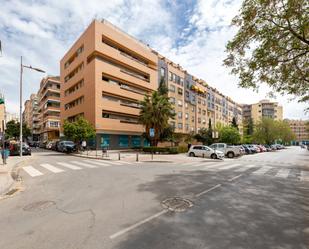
254 169
60 167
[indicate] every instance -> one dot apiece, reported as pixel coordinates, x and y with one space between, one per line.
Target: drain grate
38 206
12 191
177 204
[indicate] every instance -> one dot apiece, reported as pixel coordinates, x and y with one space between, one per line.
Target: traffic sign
151 132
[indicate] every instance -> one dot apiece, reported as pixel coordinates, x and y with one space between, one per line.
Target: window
74 103
174 78
204 102
199 100
199 110
105 140
123 141
54 124
170 76
136 141
199 120
74 88
181 81
179 125
171 88
173 124
179 114
204 112
179 103
74 56
187 115
180 91
193 108
187 94
172 100
187 127
74 71
162 72
186 105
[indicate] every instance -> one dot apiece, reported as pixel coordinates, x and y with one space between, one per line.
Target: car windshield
68 143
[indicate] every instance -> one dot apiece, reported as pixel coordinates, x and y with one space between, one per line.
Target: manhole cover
38 206
177 204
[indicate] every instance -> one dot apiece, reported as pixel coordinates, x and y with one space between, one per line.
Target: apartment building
264 108
48 98
31 116
107 72
300 129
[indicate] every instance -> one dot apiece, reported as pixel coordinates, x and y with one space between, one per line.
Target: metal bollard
119 156
136 157
203 155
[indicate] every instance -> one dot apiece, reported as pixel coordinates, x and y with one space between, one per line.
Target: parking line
70 166
98 163
234 178
262 170
208 190
84 164
32 171
229 166
128 229
51 168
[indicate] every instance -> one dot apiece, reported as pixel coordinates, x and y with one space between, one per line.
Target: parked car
262 148
204 151
252 148
66 146
15 149
267 147
247 149
49 145
228 150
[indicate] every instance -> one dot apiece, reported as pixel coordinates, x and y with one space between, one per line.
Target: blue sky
192 33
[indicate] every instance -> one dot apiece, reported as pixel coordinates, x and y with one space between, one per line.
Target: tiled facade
49 108
107 72
31 116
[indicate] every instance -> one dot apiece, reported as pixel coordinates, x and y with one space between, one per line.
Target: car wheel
191 154
230 154
213 156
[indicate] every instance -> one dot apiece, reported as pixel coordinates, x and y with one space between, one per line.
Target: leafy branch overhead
272 46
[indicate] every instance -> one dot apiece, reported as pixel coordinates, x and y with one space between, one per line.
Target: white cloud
42 31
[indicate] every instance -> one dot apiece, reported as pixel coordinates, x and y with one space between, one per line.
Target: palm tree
156 110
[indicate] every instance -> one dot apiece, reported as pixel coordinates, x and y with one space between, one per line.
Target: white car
204 151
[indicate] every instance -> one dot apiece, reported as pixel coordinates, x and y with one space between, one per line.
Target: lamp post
21 102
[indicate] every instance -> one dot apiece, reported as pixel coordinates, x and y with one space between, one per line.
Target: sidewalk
6 180
142 157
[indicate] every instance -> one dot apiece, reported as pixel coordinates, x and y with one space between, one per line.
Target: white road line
51 168
214 167
112 162
128 229
245 168
84 164
208 190
283 173
32 171
98 163
125 162
234 178
191 164
229 166
304 176
262 170
70 166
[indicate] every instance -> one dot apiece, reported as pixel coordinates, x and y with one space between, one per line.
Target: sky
192 33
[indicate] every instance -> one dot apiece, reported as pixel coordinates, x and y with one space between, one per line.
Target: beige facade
299 128
48 98
31 116
107 72
2 116
264 108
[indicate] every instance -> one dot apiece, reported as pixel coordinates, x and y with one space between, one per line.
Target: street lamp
21 100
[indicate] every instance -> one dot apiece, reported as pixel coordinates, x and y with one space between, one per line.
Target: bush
163 150
182 149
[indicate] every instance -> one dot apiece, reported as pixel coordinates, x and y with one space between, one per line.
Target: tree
234 123
163 90
205 136
284 132
13 130
272 46
79 130
249 127
265 131
229 135
156 110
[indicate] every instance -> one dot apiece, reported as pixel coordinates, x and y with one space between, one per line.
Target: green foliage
272 46
189 138
248 127
162 90
161 150
182 149
234 123
205 136
79 130
284 132
156 110
247 139
13 129
229 135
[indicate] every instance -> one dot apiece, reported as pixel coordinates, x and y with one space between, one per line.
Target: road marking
304 176
191 163
125 162
247 167
208 190
234 178
32 171
84 164
283 173
112 162
98 163
70 166
51 168
214 167
205 164
128 229
229 166
262 170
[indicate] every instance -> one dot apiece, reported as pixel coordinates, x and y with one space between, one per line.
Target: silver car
204 151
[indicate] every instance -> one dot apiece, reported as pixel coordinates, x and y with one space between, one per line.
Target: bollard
119 156
203 155
136 157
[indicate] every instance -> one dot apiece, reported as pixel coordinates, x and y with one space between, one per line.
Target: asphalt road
258 201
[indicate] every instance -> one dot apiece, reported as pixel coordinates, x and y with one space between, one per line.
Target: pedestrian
84 144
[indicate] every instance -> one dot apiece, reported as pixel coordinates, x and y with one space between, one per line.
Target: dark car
247 149
66 146
15 149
